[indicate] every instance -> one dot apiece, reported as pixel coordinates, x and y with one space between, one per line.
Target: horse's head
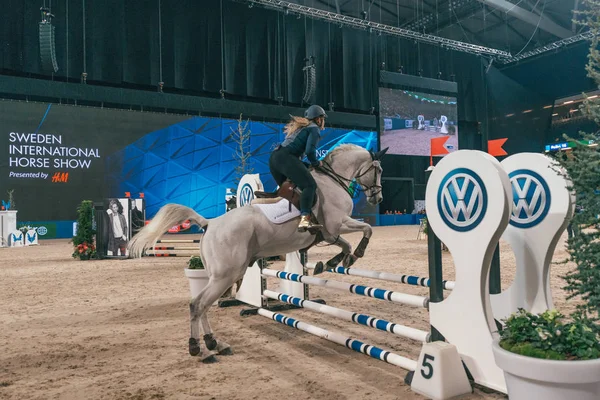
348 162
369 177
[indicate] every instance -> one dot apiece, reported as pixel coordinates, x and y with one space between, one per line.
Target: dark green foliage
582 165
195 262
548 336
84 240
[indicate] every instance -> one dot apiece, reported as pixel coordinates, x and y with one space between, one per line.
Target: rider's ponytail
295 124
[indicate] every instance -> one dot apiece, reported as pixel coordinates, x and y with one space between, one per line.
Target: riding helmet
314 111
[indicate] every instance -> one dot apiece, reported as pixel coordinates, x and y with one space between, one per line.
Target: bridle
346 183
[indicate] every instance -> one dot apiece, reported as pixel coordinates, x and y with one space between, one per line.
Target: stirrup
307 225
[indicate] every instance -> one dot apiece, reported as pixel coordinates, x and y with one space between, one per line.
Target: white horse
236 239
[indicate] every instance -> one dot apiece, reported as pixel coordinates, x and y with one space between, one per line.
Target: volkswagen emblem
462 199
246 195
531 198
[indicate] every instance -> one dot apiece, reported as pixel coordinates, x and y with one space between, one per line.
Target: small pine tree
11 199
582 165
83 241
242 154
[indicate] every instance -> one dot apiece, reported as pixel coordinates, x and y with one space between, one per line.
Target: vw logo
531 198
42 230
462 199
246 195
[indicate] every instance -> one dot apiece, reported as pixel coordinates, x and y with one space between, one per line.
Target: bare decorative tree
241 136
11 199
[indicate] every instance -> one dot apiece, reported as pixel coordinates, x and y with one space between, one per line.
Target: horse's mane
343 148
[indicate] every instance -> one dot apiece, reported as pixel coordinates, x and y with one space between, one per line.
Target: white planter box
198 279
529 378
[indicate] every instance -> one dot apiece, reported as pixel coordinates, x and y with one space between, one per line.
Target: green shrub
550 336
84 240
195 262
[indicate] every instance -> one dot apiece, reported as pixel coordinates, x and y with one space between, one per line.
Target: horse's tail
168 216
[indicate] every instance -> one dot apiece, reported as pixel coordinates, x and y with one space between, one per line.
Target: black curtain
252 53
518 113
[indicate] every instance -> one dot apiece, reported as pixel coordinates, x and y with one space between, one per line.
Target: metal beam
337 6
385 9
378 27
529 17
501 21
574 25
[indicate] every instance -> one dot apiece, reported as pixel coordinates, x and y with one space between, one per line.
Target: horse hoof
194 347
210 359
318 268
226 352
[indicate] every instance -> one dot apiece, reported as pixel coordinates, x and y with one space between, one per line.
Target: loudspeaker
47 49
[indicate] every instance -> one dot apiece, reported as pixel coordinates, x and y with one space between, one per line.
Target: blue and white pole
385 276
382 294
361 319
350 343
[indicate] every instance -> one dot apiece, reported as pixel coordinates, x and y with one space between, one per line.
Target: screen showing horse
409 120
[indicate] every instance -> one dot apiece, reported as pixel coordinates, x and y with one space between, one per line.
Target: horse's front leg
329 265
350 225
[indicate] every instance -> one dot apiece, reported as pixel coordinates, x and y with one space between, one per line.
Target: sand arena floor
119 330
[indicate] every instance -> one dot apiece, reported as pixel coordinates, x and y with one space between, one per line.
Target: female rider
302 136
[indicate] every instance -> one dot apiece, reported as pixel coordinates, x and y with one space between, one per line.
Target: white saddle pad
279 212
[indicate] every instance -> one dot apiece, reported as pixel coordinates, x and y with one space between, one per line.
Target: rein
341 180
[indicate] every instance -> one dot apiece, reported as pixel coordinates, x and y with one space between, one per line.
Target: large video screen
410 119
54 156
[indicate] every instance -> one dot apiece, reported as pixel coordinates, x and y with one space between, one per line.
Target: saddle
288 190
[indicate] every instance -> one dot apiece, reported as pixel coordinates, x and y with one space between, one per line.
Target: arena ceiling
513 26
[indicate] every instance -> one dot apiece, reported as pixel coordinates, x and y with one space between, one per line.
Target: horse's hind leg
198 309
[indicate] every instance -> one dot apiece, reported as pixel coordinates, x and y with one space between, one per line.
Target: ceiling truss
502 57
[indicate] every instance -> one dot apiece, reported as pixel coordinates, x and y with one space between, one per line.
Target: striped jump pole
385 276
382 294
169 255
350 343
174 248
357 318
178 241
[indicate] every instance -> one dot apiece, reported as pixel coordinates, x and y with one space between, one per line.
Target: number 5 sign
440 373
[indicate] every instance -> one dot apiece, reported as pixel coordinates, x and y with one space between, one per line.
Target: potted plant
196 274
83 241
551 356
